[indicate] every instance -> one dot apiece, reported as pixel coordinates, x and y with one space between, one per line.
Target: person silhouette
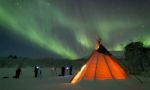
36 71
70 70
18 72
40 72
63 71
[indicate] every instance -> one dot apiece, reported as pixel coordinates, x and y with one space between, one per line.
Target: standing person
70 70
18 72
40 72
53 70
63 71
35 71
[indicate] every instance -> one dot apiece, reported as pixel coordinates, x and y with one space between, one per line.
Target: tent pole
96 66
108 67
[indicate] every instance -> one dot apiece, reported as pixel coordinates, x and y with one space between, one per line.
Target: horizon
50 57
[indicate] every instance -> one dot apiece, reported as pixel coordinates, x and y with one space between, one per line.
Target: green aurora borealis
69 28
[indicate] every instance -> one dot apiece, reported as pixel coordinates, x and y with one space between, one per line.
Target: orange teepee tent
100 66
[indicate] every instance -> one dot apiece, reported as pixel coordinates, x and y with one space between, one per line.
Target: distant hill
48 62
118 54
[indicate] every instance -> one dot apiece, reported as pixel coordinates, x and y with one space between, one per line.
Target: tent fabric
100 66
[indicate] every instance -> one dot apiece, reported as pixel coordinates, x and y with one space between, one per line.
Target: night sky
69 28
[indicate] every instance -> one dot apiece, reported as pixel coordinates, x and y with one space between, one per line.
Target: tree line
137 57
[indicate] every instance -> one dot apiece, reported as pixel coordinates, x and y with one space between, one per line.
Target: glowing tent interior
100 66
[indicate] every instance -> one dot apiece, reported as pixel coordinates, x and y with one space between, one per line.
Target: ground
51 81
